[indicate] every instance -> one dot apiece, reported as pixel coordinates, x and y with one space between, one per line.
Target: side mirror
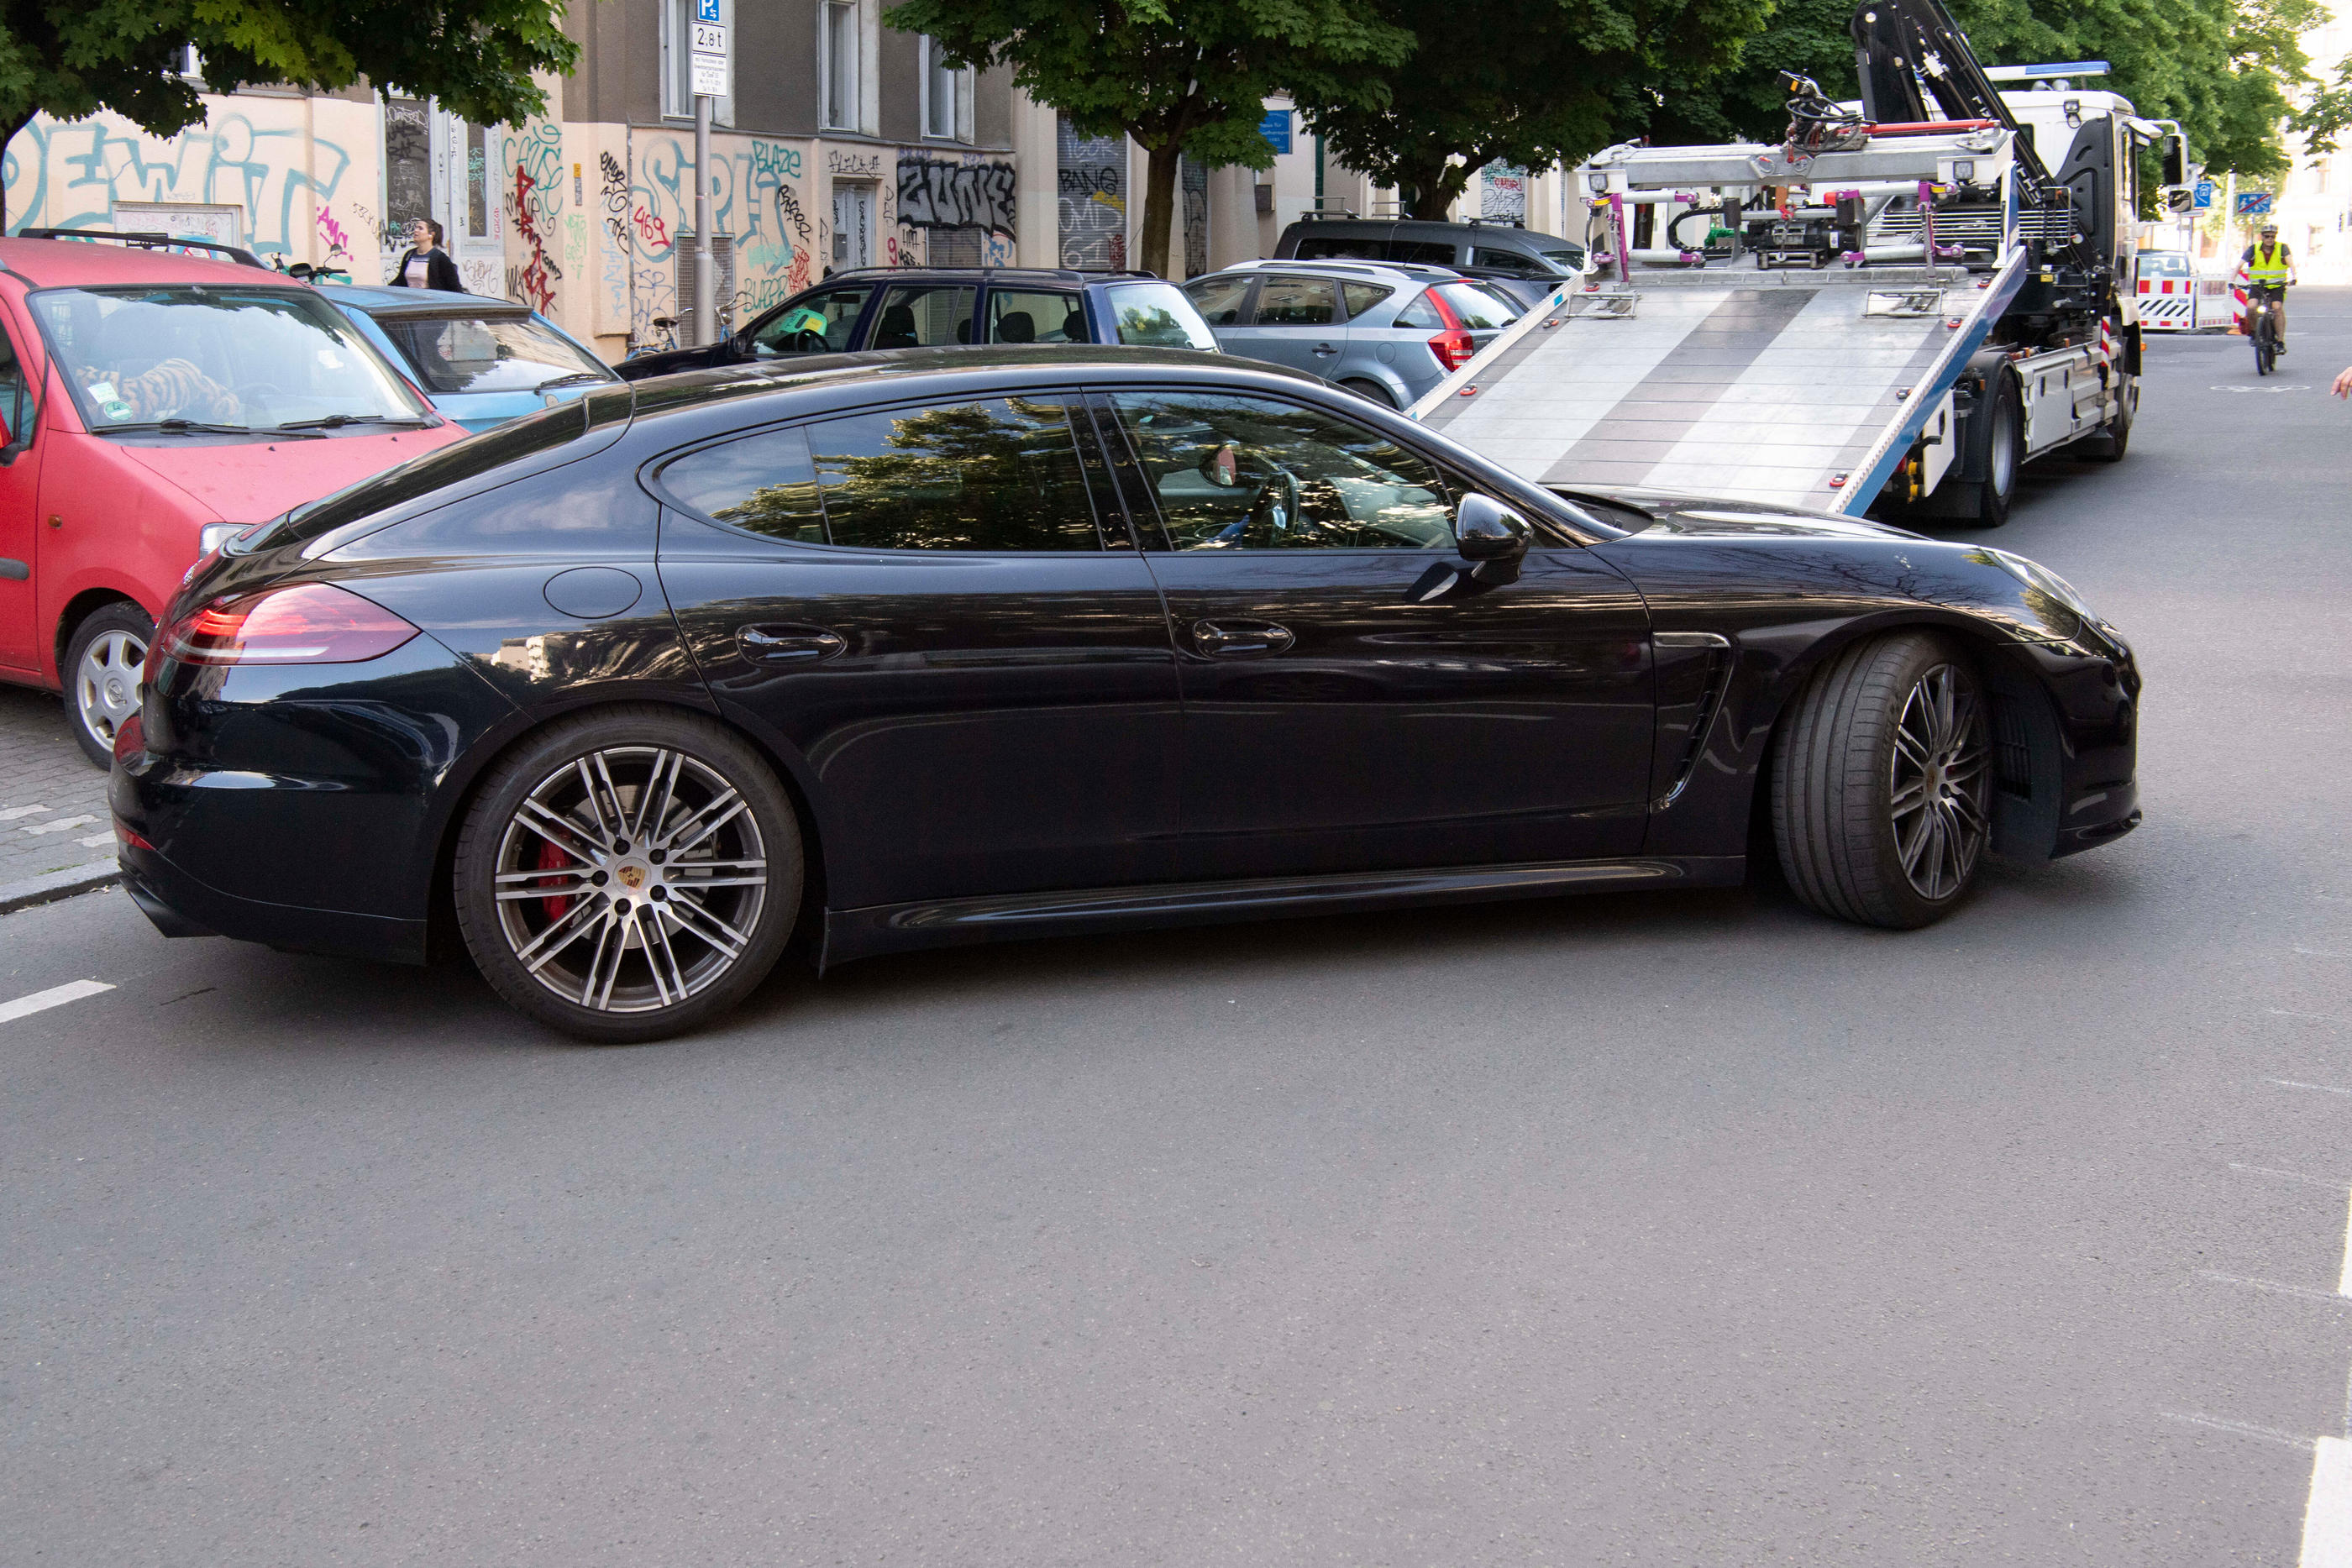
1488 532
2175 153
1222 467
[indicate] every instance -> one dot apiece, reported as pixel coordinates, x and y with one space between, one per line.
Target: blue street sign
1276 128
2204 201
2252 203
706 10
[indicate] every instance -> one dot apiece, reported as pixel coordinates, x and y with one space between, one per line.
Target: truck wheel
102 676
2003 450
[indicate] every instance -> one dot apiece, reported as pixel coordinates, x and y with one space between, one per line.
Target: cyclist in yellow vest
2270 268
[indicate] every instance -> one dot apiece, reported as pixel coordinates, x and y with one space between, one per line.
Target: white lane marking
2242 1429
60 825
2283 1013
2323 1088
95 839
55 997
2293 1176
2344 1278
2328 1515
13 813
2306 1291
2316 952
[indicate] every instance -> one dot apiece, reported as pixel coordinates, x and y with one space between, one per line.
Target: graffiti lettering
775 158
655 232
338 244
1092 181
933 194
615 195
1102 181
534 281
868 164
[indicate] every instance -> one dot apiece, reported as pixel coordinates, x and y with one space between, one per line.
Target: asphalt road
1672 1230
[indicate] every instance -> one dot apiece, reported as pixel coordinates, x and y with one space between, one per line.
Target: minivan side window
1297 302
1509 261
1427 252
819 324
1342 247
923 316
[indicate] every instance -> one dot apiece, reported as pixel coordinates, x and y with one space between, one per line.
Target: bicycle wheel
2265 354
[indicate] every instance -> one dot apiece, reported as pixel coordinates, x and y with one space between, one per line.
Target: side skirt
899 927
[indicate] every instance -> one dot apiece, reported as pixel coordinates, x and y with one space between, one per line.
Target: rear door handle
1234 639
788 644
1324 349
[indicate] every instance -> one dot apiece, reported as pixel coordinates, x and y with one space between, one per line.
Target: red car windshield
261 359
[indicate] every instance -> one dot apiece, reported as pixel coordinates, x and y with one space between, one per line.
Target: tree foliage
2223 68
71 58
1181 76
1530 82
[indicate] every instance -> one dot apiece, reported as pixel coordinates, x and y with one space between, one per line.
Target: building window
677 62
947 95
838 65
188 65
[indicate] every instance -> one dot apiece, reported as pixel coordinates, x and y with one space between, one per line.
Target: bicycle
2261 326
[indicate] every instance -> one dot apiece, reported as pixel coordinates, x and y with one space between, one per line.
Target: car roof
1408 228
67 263
378 301
986 275
1350 265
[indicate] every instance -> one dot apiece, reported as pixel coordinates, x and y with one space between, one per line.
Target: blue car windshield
256 357
489 353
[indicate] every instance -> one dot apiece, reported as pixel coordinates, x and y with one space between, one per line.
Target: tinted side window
1509 261
1297 302
1001 474
1427 252
1220 299
764 484
1362 296
924 315
1252 473
818 324
1344 247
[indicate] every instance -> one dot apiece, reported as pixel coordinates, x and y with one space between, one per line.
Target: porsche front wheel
1881 783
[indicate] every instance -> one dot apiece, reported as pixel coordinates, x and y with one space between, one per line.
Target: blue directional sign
2204 201
1276 128
706 10
2252 203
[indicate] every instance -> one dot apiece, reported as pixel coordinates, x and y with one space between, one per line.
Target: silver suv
1387 332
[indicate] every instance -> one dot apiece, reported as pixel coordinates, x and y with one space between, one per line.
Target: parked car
482 362
937 646
1388 333
1529 266
155 404
928 308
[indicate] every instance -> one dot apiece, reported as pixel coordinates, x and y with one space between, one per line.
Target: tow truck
1888 312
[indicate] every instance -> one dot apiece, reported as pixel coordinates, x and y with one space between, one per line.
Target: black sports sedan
945 646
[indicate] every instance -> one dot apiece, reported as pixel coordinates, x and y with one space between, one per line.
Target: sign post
710 70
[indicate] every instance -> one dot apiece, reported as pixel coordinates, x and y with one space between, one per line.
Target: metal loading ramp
1799 388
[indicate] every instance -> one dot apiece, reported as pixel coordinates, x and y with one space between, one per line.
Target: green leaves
74 58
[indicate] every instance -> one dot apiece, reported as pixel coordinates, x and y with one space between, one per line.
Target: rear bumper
183 905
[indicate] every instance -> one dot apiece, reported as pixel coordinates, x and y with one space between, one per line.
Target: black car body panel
1000 744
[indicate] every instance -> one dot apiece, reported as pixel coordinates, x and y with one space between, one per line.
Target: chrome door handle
788 644
1228 638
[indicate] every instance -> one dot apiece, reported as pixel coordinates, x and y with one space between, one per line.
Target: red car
152 404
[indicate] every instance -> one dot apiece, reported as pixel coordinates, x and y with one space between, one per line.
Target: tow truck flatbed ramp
1797 388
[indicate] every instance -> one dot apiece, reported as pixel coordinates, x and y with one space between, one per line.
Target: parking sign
706 10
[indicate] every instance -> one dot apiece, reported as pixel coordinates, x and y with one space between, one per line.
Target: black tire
101 676
1843 765
587 785
2002 451
1372 391
2113 438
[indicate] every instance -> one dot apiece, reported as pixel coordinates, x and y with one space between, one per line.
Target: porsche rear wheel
1881 783
628 874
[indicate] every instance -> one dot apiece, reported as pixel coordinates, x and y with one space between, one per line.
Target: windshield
1158 314
258 358
487 353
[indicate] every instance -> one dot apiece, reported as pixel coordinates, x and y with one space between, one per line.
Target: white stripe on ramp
2344 1279
2328 1517
55 997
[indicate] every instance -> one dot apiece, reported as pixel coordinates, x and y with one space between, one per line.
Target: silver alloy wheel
107 682
631 879
1938 782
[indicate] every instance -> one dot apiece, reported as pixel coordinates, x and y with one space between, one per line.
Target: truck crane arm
1914 61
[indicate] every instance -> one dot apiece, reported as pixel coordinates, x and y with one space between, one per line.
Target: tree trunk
1436 188
1159 211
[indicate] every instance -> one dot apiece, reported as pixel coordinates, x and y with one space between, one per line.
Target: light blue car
481 360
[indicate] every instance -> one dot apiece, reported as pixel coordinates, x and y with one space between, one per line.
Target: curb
33 890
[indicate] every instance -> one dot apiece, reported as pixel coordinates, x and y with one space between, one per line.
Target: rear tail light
308 623
1452 348
129 737
131 839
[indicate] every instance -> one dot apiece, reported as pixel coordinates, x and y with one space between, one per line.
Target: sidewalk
53 815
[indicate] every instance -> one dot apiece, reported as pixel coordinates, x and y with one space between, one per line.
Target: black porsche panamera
942 646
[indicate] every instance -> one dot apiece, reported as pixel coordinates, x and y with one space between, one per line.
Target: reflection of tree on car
986 475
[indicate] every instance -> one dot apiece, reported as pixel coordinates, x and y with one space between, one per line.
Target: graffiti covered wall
1092 184
305 174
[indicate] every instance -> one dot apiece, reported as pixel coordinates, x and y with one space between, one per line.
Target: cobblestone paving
52 802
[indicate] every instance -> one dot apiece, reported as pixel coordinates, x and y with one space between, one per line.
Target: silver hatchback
1387 332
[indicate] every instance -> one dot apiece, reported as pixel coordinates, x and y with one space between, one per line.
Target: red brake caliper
552 859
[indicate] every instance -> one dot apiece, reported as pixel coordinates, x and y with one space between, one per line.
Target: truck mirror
2178 199
2176 161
